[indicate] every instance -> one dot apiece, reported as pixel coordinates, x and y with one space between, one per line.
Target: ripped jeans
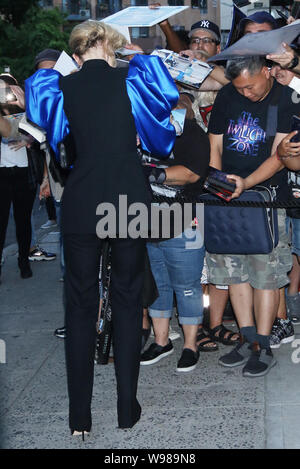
177 268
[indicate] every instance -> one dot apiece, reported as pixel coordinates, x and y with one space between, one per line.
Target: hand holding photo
189 72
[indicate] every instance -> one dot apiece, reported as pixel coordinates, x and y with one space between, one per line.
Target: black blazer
99 112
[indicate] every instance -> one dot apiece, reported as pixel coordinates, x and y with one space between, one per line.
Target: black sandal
203 347
220 337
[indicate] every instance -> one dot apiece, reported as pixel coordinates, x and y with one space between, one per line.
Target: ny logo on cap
204 24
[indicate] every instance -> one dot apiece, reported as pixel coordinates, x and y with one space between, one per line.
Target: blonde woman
99 113
101 106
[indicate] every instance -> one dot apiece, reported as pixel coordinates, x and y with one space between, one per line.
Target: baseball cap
259 17
206 24
46 54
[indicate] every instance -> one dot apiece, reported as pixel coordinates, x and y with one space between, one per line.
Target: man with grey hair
251 115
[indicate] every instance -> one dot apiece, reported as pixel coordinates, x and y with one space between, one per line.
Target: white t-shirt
11 157
8 156
295 84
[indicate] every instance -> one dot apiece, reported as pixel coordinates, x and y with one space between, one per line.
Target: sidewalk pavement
211 407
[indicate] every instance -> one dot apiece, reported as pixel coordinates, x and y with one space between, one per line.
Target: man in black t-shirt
250 117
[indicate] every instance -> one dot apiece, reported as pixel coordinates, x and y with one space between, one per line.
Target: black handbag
241 229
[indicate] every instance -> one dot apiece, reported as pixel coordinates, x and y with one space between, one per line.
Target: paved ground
211 407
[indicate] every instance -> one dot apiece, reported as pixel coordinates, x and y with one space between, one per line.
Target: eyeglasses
205 40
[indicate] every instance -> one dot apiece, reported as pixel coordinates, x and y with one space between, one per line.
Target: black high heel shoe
136 418
24 267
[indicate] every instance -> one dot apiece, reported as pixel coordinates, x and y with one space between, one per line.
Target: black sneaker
282 332
188 360
155 353
260 363
60 332
238 356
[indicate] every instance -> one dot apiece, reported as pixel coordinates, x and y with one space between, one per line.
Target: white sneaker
173 335
49 224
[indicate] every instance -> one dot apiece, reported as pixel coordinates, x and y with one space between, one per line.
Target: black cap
258 17
46 54
206 24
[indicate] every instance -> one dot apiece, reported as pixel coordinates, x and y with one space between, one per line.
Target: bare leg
265 306
217 304
146 322
241 296
213 345
294 277
190 334
161 330
281 313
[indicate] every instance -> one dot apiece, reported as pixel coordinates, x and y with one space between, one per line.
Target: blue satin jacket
150 88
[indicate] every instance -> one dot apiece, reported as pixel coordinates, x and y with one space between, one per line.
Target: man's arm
179 175
289 152
265 171
292 163
216 150
216 78
218 74
5 127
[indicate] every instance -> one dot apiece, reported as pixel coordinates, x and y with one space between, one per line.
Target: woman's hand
44 189
288 149
133 47
20 95
17 144
26 141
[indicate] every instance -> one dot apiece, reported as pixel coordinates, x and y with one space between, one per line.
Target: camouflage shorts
262 271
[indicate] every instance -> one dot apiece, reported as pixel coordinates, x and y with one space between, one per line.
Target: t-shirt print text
245 135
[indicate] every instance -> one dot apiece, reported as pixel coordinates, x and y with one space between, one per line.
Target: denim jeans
293 224
62 260
177 268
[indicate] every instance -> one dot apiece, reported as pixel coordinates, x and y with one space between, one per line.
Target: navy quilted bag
241 230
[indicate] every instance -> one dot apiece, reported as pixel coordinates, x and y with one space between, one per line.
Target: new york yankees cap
206 24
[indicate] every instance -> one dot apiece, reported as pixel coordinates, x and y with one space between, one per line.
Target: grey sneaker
293 308
282 332
259 364
238 356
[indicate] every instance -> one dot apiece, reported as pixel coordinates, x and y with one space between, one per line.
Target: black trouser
15 189
50 207
82 258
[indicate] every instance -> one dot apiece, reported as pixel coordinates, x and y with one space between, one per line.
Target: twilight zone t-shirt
249 128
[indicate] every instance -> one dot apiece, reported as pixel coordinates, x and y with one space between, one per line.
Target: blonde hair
86 35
